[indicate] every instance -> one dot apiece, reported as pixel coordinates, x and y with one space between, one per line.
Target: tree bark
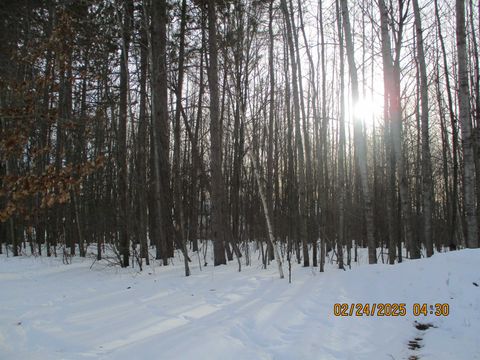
219 222
427 186
466 128
298 135
359 139
160 129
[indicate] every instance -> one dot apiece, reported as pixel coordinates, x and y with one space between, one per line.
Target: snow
49 310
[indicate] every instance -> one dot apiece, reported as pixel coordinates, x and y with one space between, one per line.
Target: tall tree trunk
298 135
322 146
271 114
466 128
453 123
127 13
177 182
359 139
142 144
311 236
392 90
160 129
219 222
427 186
341 147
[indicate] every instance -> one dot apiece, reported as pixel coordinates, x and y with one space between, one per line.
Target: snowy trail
55 311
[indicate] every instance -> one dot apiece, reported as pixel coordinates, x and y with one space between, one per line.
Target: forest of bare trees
307 127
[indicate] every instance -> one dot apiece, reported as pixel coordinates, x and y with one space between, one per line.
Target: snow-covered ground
49 310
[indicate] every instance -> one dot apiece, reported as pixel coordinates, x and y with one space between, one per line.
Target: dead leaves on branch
25 195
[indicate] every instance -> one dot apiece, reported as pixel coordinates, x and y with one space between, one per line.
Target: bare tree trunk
341 148
359 139
466 128
219 222
453 123
475 95
311 236
271 238
271 114
142 144
322 146
125 21
177 182
298 135
197 164
160 129
427 186
392 82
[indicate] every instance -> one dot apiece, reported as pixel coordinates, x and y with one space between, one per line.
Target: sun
369 109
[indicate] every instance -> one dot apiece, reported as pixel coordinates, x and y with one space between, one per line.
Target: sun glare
368 109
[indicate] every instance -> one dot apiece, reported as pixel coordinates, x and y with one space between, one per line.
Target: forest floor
49 310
